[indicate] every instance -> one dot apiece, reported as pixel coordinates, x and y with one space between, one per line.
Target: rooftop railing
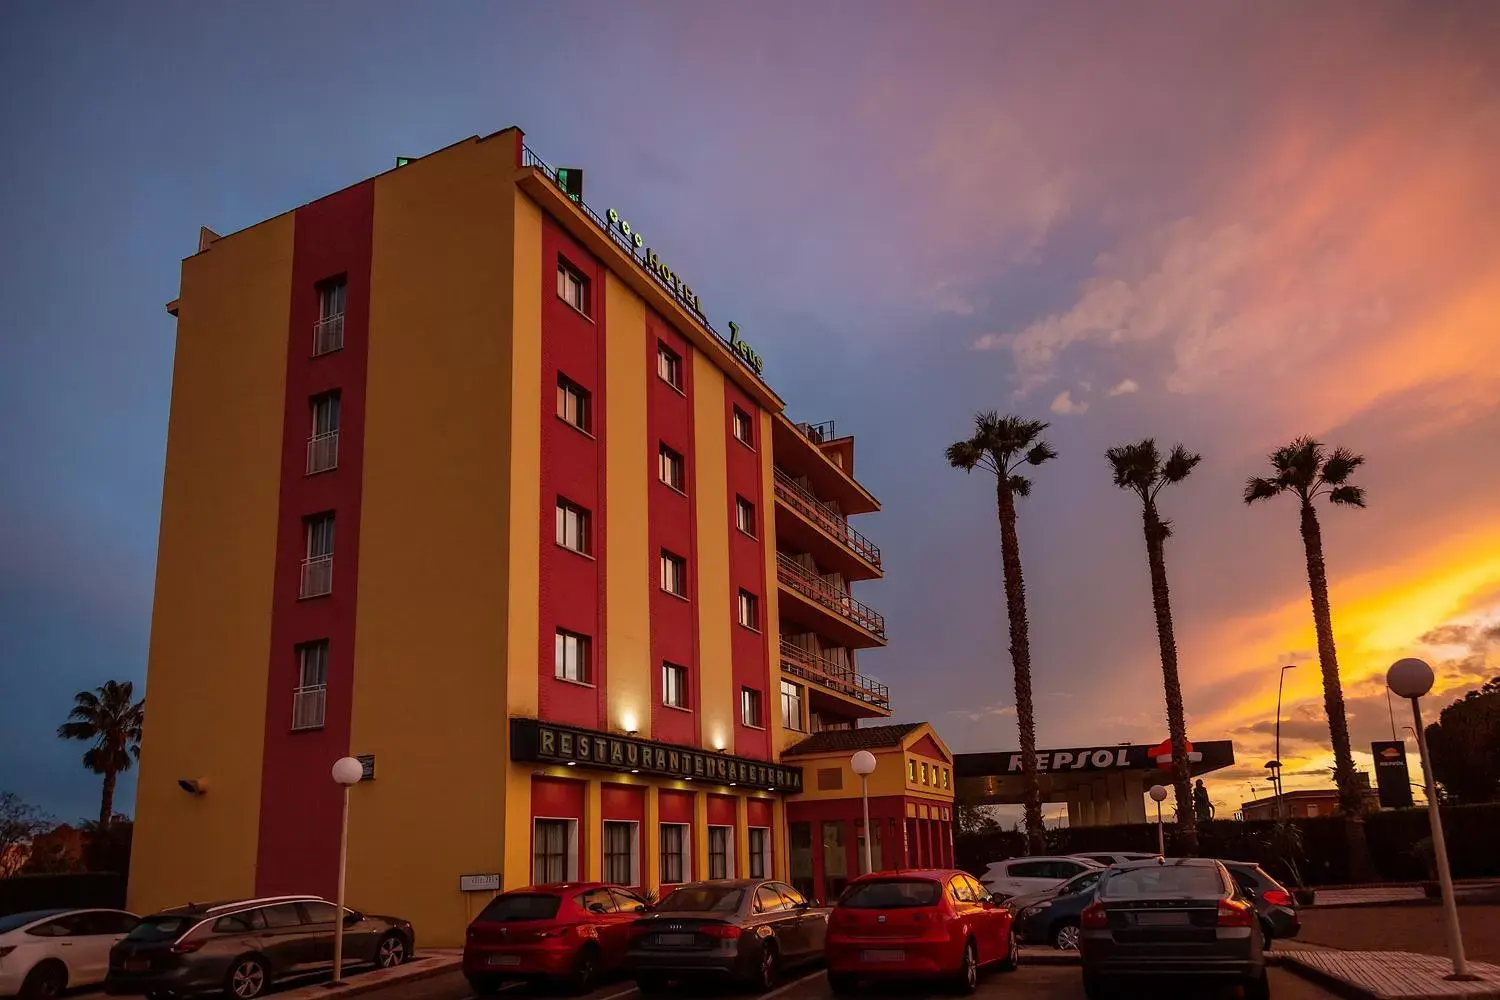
815 588
825 517
821 670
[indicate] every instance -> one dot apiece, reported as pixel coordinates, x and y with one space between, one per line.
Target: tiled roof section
868 738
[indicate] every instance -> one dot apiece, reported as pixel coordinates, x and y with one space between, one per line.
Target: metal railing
818 433
328 335
317 576
821 670
323 452
308 706
825 517
815 588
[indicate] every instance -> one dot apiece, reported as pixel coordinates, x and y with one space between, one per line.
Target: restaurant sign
534 741
1088 759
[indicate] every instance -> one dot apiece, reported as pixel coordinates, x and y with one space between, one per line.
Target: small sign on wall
367 761
479 883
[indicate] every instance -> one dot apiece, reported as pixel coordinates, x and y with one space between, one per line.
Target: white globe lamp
863 764
347 772
1158 795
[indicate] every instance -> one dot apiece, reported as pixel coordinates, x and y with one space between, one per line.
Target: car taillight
1093 917
1277 897
187 947
586 931
1233 913
720 930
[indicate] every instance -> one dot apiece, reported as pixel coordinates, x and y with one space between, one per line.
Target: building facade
461 481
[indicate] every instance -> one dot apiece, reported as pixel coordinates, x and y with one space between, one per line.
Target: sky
1220 224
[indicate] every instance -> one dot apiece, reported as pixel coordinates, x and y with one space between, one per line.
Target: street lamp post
346 772
863 763
1412 678
1158 795
1276 774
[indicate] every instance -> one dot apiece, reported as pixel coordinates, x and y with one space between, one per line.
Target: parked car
1181 918
43 952
1020 876
746 929
243 946
1273 902
568 933
1107 858
939 924
1051 917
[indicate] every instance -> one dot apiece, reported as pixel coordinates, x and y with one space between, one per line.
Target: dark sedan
1052 917
746 929
1276 906
1180 919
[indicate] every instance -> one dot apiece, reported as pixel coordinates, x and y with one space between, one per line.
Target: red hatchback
938 924
568 933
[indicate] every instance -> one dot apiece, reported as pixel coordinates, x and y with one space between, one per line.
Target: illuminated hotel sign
544 743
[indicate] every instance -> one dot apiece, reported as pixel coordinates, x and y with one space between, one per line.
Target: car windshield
521 906
1163 882
14 920
162 927
702 899
1079 883
892 894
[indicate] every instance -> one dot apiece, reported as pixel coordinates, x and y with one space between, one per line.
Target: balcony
830 521
323 452
328 335
827 462
308 705
854 624
836 676
317 576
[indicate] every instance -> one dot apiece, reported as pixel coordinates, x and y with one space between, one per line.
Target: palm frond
1040 452
1351 496
1020 486
964 455
1135 466
1340 466
1260 488
1179 464
77 731
1297 464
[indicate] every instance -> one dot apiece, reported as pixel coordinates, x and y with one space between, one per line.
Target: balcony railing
308 704
328 335
825 517
815 588
821 670
818 433
317 576
323 452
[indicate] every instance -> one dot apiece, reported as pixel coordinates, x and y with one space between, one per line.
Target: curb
368 982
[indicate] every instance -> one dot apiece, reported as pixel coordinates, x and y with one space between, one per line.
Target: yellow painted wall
431 638
211 623
717 701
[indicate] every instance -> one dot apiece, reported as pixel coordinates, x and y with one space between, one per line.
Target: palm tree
109 718
1139 468
1000 446
1303 468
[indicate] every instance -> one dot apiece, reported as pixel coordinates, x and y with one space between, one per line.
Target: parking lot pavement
1038 982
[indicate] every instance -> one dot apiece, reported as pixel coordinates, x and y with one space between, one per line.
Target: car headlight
1034 909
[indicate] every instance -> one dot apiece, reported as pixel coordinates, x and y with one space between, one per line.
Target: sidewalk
1378 975
428 963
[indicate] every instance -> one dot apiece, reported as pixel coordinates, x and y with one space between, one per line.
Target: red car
569 932
935 924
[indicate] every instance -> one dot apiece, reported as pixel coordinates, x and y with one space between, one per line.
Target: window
319 913
947 778
768 900
572 527
749 607
835 857
596 901
911 770
674 853
669 366
574 404
572 658
626 902
554 851
720 852
674 685
619 853
669 468
309 700
750 708
673 574
744 516
328 332
317 565
572 287
320 536
282 916
760 852
744 429
323 439
877 858
791 706
924 774
247 922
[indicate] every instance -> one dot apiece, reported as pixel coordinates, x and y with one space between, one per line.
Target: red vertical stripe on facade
747 571
572 585
672 526
300 804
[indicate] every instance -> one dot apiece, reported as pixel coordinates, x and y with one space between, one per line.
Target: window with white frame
749 610
320 537
332 296
572 526
310 698
669 468
744 428
621 860
323 438
760 852
572 286
750 708
674 685
791 706
669 365
317 564
572 658
554 851
744 516
673 573
721 852
675 853
573 404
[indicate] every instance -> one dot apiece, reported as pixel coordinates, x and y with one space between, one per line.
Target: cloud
993 711
1124 388
1063 403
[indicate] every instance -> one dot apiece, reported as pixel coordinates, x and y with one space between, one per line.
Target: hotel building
461 481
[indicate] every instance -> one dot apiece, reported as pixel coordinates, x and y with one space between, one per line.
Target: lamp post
1412 678
1158 795
346 772
863 763
1276 774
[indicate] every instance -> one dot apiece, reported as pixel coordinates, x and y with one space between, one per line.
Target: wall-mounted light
193 786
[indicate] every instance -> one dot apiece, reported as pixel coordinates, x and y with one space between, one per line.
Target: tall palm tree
1001 446
111 719
1139 468
1305 470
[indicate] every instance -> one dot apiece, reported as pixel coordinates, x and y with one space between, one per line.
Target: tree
1306 471
20 823
1464 744
111 720
1001 446
1139 469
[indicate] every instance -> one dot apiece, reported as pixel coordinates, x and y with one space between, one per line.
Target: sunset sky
1225 224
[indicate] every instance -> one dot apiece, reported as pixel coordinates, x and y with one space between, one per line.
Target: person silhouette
1202 807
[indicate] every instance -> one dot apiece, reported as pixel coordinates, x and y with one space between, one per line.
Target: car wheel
247 979
1095 987
967 980
585 970
841 984
485 986
391 951
766 970
1065 937
1258 988
45 981
1012 957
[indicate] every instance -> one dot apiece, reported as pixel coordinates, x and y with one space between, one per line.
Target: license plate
137 964
504 960
883 955
1161 919
674 939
